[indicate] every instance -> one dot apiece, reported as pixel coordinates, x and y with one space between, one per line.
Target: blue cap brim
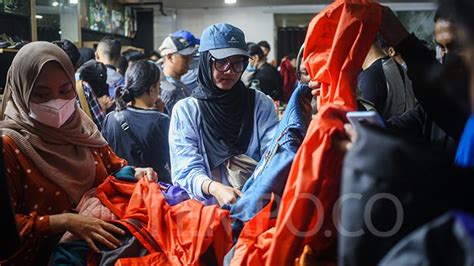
227 52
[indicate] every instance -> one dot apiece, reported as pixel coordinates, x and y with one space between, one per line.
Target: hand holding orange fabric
315 87
148 172
345 143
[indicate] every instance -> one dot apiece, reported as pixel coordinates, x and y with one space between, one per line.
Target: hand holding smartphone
370 117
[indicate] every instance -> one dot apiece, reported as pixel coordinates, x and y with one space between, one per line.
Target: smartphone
370 117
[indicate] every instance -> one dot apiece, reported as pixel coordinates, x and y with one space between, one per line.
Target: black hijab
228 116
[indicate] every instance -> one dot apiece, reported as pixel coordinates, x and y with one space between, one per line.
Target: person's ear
391 52
97 57
170 57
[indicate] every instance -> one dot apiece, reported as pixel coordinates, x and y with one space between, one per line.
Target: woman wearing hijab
53 154
217 135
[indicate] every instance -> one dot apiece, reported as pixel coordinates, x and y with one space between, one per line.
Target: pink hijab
61 154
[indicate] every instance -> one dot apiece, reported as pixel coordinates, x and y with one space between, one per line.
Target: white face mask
53 113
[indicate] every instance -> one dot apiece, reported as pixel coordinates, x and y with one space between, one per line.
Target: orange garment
305 214
34 197
306 204
336 44
255 238
183 232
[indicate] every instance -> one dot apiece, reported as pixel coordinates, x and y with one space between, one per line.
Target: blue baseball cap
175 44
188 36
223 40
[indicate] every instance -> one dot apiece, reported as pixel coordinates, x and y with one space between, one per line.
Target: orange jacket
183 232
336 44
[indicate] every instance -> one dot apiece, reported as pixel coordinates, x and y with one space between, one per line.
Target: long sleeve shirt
189 163
35 197
98 115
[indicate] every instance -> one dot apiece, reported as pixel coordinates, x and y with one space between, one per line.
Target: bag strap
82 98
118 115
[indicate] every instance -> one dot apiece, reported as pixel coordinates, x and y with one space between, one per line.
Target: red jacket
288 74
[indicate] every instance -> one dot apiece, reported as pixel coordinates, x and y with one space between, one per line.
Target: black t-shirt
150 128
270 81
373 85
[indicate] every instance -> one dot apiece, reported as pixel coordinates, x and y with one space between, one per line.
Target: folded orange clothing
183 232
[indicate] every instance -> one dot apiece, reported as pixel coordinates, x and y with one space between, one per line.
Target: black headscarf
227 115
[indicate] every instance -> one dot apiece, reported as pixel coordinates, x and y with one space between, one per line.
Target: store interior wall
163 25
257 23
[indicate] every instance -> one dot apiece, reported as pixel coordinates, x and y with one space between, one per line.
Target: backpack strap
82 98
118 115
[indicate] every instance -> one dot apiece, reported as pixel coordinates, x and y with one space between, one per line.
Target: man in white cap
177 53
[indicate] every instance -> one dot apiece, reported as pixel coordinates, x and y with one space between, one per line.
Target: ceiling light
230 2
39 16
55 4
73 2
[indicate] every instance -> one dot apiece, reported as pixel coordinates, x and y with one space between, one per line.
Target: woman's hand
90 229
224 194
148 172
315 87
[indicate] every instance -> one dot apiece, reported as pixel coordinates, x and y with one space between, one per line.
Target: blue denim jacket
272 170
189 164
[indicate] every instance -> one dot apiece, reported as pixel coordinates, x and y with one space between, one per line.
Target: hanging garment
173 235
311 190
336 44
337 41
391 186
335 47
272 170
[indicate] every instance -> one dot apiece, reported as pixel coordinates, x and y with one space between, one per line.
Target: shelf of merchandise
8 50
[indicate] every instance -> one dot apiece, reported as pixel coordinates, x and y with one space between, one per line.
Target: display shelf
8 50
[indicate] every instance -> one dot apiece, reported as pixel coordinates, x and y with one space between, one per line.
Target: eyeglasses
301 74
222 65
